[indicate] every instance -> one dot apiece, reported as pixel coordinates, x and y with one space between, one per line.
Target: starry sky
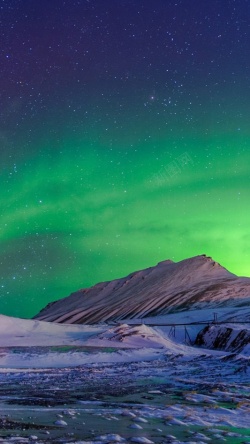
124 141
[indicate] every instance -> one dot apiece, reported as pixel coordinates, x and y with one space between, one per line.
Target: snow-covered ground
37 341
123 383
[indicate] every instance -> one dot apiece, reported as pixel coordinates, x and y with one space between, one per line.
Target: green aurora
74 222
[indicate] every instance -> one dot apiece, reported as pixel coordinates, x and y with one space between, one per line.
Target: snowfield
131 382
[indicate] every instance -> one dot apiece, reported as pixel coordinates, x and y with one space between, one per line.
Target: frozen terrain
128 382
165 359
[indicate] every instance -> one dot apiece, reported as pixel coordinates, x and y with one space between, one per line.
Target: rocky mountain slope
233 338
168 287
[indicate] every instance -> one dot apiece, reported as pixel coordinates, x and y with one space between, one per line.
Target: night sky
124 141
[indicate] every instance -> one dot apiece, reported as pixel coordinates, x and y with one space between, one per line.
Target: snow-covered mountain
168 287
189 355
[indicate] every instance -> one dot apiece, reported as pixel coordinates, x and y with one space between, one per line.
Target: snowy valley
179 374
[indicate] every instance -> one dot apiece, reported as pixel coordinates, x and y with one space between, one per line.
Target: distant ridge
164 288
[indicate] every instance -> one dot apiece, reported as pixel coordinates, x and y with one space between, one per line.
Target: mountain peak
166 262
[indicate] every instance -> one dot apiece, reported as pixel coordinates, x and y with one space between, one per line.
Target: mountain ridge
156 290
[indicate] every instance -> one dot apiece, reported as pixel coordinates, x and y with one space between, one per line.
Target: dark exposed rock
223 338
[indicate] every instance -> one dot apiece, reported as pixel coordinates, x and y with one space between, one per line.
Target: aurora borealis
125 141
